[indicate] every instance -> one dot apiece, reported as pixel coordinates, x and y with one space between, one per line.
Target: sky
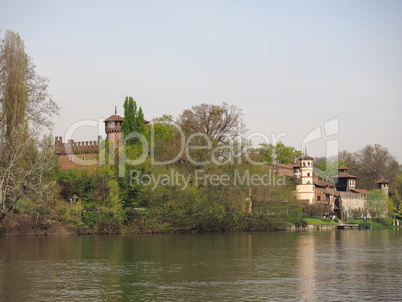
321 75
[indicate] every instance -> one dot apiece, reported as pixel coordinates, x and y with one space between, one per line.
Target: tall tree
25 107
130 112
13 90
133 119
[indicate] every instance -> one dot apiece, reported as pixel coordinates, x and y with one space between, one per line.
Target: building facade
342 197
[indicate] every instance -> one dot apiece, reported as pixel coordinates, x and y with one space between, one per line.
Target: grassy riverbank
376 224
316 221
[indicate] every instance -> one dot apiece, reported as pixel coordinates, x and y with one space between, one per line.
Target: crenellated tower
113 129
383 185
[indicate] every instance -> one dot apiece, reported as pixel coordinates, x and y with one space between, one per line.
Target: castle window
318 198
308 174
83 157
70 158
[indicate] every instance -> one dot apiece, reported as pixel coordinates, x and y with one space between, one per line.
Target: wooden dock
343 226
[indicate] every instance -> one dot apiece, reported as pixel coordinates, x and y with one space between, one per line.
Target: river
349 265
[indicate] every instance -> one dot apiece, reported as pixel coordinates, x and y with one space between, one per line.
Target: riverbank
31 225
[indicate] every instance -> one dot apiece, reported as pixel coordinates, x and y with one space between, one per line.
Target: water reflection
307 258
276 266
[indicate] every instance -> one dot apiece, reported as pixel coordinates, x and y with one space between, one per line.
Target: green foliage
379 223
133 120
376 204
327 169
284 154
397 204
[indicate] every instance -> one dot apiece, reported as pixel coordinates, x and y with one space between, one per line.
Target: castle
73 155
342 198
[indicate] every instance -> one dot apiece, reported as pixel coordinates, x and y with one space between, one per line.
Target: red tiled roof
382 181
343 168
118 118
114 118
323 183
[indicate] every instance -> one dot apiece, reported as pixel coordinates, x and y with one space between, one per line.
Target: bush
316 209
300 223
384 221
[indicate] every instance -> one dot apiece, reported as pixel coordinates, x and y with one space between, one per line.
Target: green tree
397 203
280 152
133 120
376 203
130 112
325 169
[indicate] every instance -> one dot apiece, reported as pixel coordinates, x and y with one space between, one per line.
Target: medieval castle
343 198
73 155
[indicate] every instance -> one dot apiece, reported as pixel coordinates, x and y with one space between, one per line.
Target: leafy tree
130 112
25 108
397 203
280 152
396 187
325 169
133 120
376 203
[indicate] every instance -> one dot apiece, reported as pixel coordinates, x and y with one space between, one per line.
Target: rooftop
114 118
382 181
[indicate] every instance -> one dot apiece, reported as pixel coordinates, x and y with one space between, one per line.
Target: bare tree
25 107
370 164
218 127
221 123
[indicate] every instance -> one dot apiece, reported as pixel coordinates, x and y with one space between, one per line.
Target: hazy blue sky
290 65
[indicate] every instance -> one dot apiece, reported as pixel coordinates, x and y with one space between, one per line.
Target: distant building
342 198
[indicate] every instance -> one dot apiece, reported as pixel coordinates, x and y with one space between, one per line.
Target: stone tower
113 129
383 185
305 188
344 181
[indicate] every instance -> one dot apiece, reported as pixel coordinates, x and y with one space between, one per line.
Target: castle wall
76 155
352 205
284 169
67 161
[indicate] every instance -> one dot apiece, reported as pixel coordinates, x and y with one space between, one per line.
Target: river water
347 265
